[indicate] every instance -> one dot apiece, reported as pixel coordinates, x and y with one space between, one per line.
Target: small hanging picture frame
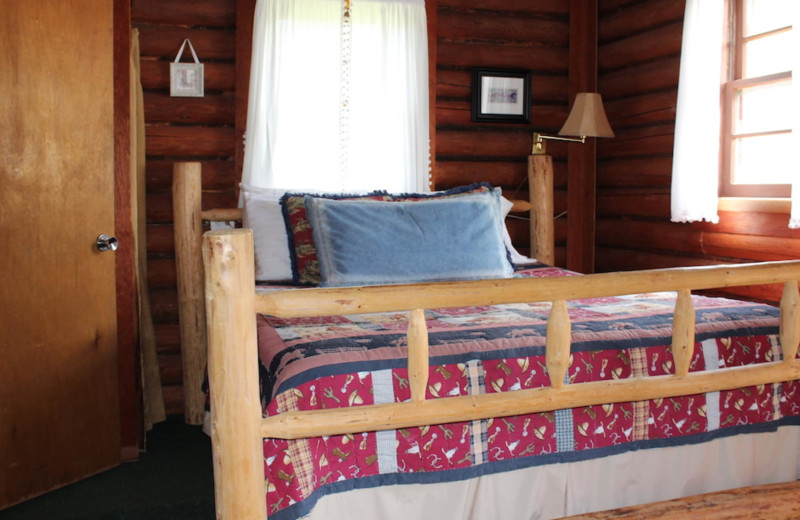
186 79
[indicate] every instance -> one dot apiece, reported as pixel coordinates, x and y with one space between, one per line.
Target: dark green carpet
172 479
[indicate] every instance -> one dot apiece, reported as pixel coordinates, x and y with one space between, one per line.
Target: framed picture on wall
501 95
186 79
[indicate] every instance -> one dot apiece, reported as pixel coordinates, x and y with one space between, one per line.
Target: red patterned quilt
358 360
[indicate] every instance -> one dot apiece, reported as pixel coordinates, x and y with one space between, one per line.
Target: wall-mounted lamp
587 119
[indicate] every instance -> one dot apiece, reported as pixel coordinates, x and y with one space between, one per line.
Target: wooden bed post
683 322
540 184
790 321
558 344
186 200
418 369
233 376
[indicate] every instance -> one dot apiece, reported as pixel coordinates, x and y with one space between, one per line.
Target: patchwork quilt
346 361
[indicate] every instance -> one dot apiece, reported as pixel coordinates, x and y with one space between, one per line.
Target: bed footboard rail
237 425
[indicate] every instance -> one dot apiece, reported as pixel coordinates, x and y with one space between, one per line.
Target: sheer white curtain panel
338 102
695 161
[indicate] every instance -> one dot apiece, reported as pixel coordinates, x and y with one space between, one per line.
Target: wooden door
59 410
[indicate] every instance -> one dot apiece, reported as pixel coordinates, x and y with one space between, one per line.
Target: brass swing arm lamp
539 147
586 119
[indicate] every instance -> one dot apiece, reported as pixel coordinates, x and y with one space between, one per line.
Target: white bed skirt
572 488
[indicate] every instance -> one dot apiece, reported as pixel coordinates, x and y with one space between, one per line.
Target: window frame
732 82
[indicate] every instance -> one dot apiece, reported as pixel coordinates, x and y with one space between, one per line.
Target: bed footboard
237 426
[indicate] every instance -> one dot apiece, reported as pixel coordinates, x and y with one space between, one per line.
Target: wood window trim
734 81
780 205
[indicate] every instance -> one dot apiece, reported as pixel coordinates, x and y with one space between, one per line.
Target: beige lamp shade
587 118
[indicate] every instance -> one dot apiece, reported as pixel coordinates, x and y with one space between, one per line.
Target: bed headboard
188 224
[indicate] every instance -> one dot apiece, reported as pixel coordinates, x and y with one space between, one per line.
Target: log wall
177 128
505 34
638 53
639 60
464 34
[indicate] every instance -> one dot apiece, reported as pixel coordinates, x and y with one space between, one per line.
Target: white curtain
338 102
695 162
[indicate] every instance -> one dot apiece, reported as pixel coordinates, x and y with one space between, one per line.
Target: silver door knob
107 243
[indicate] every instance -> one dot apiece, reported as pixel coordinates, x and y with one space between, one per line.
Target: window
338 96
733 123
756 122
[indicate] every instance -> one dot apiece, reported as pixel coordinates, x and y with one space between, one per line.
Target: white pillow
516 257
261 212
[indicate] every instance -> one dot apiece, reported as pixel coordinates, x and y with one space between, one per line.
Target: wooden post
790 321
233 376
540 184
582 158
186 200
417 354
558 342
683 321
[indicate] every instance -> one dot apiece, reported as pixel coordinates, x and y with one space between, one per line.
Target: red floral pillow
303 254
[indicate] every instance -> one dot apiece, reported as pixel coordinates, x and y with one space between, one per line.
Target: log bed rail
232 304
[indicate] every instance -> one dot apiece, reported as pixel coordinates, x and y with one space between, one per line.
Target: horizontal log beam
222 214
197 12
161 273
636 172
488 142
639 17
705 240
647 141
661 74
450 174
394 298
210 109
160 239
159 204
550 60
541 7
645 109
164 42
661 42
339 421
168 338
634 203
465 26
218 175
190 141
164 305
458 113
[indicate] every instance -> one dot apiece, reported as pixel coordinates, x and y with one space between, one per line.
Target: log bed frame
237 426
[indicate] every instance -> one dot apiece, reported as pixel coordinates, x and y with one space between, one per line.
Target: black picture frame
501 95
